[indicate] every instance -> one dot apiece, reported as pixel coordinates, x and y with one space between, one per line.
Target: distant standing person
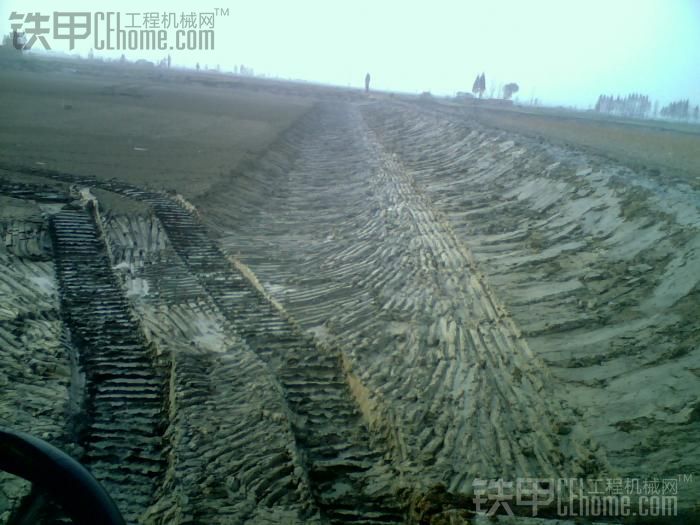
367 83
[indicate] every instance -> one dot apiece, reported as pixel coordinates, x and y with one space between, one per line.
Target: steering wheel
65 480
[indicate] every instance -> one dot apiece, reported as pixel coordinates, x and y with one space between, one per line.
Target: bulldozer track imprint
385 302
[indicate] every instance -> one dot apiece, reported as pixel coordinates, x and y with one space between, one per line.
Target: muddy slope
386 305
407 238
599 265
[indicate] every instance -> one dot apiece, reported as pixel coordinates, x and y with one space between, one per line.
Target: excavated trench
388 301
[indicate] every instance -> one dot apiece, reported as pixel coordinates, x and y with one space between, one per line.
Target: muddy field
244 301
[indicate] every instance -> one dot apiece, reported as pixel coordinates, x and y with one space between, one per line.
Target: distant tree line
633 105
244 71
636 105
680 109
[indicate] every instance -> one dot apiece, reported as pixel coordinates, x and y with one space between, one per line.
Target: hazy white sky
562 52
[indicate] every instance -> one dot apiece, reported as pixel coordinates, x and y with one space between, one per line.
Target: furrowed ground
250 301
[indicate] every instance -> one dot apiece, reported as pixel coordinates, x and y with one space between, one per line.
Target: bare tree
476 86
15 39
479 85
492 88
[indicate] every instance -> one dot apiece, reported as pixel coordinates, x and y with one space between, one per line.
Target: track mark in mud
326 423
124 402
350 246
594 260
35 355
330 435
222 395
484 293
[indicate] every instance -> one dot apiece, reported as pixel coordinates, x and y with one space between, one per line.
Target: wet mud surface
386 304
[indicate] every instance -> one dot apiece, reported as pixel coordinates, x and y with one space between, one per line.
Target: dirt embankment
598 264
359 233
666 149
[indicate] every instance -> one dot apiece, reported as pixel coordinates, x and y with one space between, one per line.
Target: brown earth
350 308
